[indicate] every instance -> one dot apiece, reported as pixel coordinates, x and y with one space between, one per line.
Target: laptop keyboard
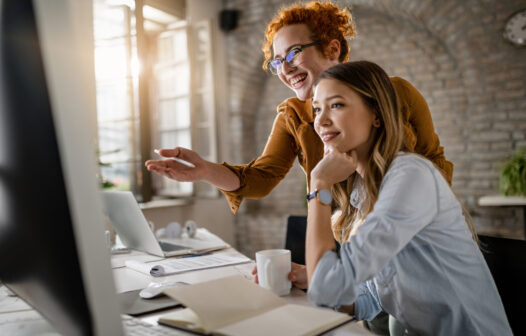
135 327
168 247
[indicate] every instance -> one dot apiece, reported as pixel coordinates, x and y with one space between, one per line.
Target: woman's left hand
334 167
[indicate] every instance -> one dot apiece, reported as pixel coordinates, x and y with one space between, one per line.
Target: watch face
325 196
515 29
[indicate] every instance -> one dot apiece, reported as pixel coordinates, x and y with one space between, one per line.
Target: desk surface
127 279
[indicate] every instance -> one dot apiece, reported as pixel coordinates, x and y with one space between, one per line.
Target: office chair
295 238
506 259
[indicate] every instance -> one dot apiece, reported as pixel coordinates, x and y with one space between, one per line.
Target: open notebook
238 307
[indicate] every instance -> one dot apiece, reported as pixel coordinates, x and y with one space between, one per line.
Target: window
154 90
203 99
116 73
172 78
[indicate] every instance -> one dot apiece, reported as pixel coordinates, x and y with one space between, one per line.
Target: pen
181 161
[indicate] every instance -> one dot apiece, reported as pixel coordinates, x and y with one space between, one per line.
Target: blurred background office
188 73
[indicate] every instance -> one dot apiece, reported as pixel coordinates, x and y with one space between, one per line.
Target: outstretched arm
203 170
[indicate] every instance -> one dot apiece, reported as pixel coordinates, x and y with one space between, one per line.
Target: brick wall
451 51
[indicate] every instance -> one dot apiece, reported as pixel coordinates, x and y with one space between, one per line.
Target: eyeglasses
291 58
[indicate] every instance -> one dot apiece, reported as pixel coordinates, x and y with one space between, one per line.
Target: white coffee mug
273 270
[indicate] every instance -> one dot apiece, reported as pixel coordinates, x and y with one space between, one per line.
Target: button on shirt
414 257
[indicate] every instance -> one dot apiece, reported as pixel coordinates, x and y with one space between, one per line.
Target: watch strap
311 195
316 194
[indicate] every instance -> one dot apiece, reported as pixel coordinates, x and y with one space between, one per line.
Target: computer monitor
52 247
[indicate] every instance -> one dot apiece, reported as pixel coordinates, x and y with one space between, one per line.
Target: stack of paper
181 265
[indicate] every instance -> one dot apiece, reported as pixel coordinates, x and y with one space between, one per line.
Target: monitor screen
39 235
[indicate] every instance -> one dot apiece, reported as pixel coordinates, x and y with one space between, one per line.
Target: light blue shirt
414 257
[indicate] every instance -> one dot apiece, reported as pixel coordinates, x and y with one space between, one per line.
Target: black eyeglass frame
291 54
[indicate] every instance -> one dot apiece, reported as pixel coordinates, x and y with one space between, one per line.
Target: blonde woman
406 246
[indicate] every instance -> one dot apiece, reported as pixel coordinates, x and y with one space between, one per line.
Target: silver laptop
135 233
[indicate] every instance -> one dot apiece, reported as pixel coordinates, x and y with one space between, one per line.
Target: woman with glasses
301 42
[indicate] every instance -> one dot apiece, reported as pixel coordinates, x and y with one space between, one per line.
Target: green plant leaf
512 180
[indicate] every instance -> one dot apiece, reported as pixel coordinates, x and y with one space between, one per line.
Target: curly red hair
325 20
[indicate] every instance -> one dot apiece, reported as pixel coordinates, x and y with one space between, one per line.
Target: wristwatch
323 196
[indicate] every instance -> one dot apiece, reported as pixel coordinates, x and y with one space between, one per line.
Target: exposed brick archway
451 51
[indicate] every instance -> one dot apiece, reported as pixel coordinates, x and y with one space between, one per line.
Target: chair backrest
295 239
506 259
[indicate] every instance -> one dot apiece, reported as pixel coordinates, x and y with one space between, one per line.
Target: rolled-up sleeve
328 281
259 177
367 304
407 203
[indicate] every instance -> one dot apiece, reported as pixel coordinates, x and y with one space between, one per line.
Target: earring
376 123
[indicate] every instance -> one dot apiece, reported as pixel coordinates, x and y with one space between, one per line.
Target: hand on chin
335 166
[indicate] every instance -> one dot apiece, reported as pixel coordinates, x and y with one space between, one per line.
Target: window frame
201 101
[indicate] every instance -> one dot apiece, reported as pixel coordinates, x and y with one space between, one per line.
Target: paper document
180 265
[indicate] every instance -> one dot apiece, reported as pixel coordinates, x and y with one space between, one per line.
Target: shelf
501 200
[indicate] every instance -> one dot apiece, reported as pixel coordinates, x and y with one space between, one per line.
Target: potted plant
105 183
513 175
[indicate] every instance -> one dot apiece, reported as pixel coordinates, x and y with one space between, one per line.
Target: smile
328 136
297 81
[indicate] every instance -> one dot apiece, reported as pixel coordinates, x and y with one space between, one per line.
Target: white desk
127 279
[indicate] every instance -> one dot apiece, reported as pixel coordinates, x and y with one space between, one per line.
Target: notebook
236 306
135 233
